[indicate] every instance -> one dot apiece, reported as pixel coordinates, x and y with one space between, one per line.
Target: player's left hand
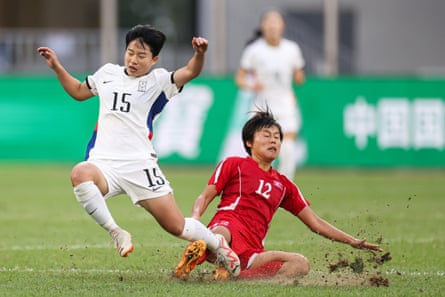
200 44
363 244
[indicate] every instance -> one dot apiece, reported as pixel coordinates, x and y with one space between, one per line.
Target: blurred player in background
251 193
269 66
120 157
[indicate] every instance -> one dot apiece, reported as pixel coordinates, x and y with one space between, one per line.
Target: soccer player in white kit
120 157
268 67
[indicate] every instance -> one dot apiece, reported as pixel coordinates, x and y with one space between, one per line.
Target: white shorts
140 180
288 117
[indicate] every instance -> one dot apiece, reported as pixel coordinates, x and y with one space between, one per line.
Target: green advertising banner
374 122
39 122
383 122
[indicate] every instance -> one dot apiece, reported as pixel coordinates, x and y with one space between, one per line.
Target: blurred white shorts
288 117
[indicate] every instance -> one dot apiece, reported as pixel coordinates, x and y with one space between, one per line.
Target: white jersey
128 107
273 67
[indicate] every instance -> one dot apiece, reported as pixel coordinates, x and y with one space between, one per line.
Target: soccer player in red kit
251 192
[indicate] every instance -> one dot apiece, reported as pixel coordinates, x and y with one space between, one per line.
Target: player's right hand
49 55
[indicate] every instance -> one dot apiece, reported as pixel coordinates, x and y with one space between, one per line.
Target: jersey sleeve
247 57
298 60
165 80
223 173
92 80
294 201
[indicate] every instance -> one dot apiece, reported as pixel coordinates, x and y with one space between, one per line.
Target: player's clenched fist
200 44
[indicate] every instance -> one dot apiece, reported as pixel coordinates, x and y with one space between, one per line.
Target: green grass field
50 247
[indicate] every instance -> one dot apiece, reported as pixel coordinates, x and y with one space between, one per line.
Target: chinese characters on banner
397 123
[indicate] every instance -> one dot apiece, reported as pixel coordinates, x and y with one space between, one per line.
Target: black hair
256 35
261 119
147 34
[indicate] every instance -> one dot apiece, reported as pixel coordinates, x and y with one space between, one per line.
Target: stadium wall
347 121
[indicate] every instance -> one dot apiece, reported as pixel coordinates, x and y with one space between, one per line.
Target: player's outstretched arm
321 227
194 65
76 89
203 200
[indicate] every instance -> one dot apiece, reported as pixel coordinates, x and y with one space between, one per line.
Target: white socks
288 159
94 204
195 230
91 199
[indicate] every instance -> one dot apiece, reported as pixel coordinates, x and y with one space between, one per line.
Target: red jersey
250 197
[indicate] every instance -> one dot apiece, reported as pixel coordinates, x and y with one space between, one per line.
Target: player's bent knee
77 174
305 266
301 265
80 173
296 265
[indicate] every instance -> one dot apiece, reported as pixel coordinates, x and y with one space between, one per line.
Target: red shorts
264 271
246 245
243 243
